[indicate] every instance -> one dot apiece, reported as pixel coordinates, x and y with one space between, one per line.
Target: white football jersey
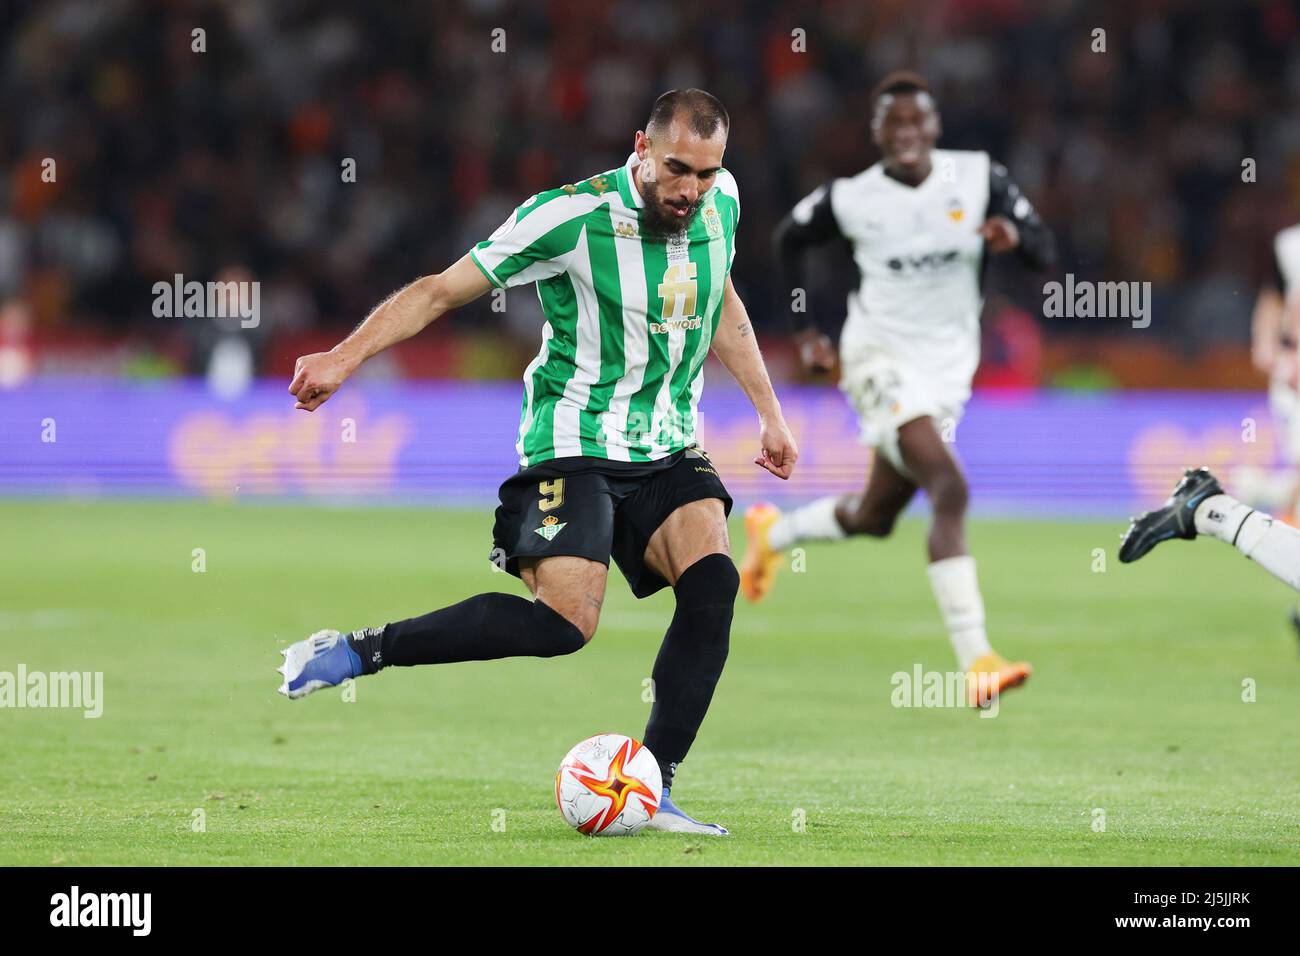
920 259
1286 259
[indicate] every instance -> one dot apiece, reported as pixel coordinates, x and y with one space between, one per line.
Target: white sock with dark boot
1272 544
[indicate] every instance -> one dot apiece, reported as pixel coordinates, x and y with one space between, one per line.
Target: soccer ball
608 785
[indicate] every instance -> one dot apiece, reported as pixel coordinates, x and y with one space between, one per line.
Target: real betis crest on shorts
551 526
629 316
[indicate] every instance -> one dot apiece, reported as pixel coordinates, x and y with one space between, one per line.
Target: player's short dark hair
703 112
900 81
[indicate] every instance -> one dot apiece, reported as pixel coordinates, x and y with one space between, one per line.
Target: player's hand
779 450
1000 233
815 351
316 377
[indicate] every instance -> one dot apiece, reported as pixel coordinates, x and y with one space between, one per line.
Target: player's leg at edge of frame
1199 506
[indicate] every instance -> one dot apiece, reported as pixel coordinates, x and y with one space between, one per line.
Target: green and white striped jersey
629 319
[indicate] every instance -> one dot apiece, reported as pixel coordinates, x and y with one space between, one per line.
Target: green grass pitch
1135 708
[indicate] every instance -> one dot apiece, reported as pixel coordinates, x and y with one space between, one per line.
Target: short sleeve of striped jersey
529 246
727 186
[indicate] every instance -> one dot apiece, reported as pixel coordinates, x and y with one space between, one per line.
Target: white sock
1221 516
1271 544
957 590
812 522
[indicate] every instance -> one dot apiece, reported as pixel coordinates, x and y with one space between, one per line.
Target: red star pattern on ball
618 786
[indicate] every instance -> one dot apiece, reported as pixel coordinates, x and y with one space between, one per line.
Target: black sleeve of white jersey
1037 247
810 223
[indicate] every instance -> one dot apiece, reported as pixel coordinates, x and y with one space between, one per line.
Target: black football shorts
596 508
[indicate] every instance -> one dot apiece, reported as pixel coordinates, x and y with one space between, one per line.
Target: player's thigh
571 586
554 530
693 531
929 459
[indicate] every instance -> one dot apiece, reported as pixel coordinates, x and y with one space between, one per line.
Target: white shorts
887 394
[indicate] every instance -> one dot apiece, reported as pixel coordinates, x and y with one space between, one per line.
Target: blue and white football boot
325 659
670 819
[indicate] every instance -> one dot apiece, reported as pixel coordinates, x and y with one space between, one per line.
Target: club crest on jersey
551 526
955 211
712 222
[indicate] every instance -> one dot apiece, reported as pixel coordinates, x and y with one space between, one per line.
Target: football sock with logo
957 590
812 522
691 659
486 627
1272 544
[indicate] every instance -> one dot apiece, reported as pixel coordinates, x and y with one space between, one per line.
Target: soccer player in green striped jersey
632 268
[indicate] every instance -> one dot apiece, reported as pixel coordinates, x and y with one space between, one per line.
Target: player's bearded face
667 215
676 171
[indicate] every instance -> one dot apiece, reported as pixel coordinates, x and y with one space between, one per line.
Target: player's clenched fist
816 353
1000 233
779 452
316 377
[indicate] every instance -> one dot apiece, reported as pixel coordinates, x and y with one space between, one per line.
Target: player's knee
706 591
948 493
584 620
561 630
873 522
711 581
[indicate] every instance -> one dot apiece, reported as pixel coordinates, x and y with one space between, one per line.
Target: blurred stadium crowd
174 161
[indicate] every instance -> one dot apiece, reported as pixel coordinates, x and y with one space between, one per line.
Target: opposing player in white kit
1199 505
1275 328
921 223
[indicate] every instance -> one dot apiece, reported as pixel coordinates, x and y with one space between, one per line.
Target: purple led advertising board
1053 454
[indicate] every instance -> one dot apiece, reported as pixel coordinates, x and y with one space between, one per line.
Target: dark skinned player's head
905 123
681 152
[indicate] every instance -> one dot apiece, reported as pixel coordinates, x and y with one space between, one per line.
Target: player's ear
641 143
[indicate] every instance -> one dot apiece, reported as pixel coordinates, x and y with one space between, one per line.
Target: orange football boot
991 675
758 570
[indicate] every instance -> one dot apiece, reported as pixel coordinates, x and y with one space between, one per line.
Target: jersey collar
626 187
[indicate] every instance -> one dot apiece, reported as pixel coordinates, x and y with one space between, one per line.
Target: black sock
485 627
691 658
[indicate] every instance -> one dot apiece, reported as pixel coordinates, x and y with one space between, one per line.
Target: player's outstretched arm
737 349
404 313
